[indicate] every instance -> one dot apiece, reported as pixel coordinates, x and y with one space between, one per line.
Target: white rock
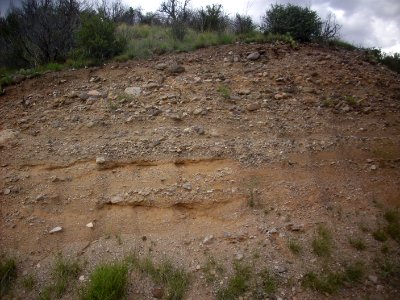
133 91
89 225
116 199
187 186
253 56
239 256
94 93
100 160
56 229
208 239
273 230
82 278
7 191
7 135
197 111
161 66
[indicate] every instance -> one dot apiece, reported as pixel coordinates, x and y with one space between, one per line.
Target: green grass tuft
51 67
393 227
63 275
238 284
392 216
8 274
294 246
322 243
325 283
351 100
358 244
387 267
64 271
379 235
5 80
176 280
330 282
107 282
341 44
29 282
268 282
225 92
212 270
354 272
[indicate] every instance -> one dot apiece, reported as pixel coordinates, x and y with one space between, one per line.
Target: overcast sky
369 23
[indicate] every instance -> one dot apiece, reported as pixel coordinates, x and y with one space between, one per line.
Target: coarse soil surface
228 157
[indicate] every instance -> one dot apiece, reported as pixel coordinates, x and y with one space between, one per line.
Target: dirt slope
251 153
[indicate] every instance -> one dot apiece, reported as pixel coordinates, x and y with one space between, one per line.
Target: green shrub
243 24
302 23
341 44
52 67
8 274
210 18
97 38
392 61
107 282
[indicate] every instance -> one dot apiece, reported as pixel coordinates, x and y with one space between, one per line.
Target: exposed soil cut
230 158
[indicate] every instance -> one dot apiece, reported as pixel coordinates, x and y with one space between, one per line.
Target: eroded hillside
212 155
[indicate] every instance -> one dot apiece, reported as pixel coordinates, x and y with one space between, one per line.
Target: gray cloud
368 23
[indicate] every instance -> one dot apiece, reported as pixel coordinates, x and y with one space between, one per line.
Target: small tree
151 18
243 24
38 32
330 28
210 18
177 13
302 23
96 38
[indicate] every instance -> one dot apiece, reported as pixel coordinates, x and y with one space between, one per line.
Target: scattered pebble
208 239
56 229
